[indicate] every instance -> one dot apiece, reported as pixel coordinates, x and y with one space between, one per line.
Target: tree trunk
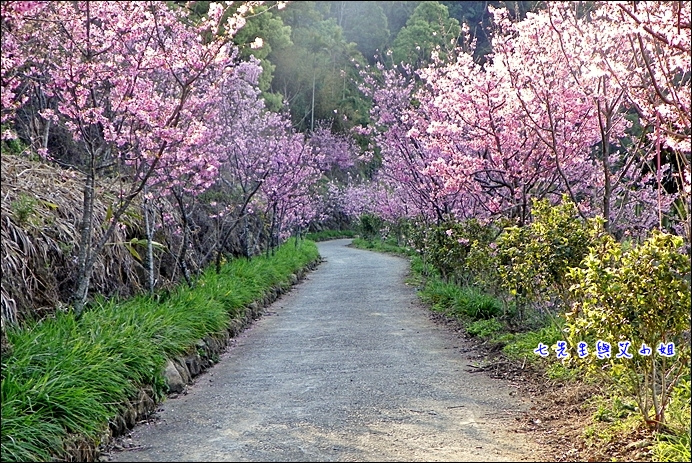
85 257
605 128
150 247
183 248
312 107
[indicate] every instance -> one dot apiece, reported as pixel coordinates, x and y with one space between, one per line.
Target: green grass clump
443 297
522 345
466 303
673 444
421 268
68 376
389 246
480 306
561 372
484 328
61 379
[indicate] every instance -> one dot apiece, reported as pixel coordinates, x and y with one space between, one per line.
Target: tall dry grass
40 226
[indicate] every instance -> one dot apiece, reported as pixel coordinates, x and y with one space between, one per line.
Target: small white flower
257 43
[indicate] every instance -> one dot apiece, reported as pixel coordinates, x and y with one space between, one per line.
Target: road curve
347 366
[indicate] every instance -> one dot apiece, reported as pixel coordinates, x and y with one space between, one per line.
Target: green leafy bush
534 260
482 264
23 208
447 246
369 226
639 295
11 145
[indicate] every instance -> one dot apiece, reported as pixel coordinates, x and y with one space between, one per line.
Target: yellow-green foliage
640 295
534 260
447 246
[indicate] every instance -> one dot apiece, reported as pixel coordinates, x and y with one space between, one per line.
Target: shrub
534 260
483 265
447 246
639 295
369 226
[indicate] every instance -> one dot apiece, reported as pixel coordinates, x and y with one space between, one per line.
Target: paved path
346 367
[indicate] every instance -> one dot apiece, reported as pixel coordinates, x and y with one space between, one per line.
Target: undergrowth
673 443
389 246
615 420
324 235
67 376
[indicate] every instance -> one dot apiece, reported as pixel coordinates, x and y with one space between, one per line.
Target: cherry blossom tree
547 114
408 166
245 134
658 41
594 75
339 157
131 83
288 193
559 116
20 57
473 115
334 151
267 171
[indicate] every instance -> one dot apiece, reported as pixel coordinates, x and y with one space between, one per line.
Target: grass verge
673 444
586 418
325 235
67 377
389 246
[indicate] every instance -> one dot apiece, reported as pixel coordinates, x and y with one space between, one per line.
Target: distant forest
312 51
